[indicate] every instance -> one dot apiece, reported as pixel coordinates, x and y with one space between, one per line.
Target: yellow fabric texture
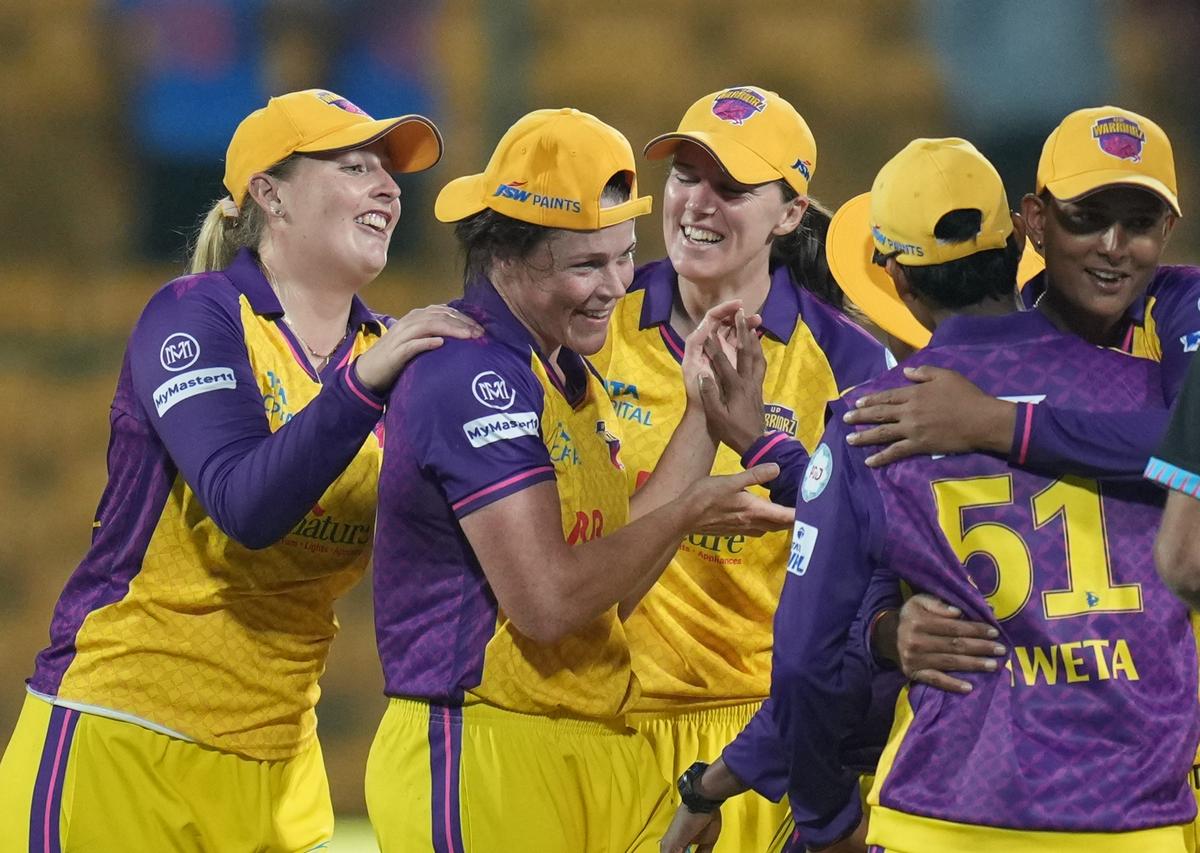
219 642
128 788
551 785
702 636
748 821
589 673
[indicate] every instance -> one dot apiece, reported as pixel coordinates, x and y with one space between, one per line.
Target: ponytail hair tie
228 209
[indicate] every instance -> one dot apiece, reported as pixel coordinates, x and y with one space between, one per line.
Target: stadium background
89 231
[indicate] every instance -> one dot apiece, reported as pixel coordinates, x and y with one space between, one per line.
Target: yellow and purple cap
1101 147
754 134
316 121
550 169
926 180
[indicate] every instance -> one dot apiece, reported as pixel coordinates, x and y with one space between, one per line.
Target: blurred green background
107 156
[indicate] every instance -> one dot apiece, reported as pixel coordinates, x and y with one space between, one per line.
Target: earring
277 210
1037 244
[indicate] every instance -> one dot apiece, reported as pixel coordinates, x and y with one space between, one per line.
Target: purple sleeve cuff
786 452
1101 445
1173 477
360 390
757 757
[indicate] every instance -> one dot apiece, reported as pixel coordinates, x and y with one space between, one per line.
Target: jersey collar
248 278
485 304
661 283
1036 287
993 330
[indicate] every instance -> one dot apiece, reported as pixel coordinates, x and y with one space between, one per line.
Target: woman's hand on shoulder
418 331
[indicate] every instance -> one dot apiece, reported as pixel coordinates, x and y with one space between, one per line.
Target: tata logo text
179 352
491 389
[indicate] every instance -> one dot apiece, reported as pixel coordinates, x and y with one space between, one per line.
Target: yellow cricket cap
925 181
550 169
316 121
754 134
1103 147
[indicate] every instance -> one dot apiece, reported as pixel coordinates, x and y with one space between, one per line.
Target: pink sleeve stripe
503 484
1026 433
778 437
349 374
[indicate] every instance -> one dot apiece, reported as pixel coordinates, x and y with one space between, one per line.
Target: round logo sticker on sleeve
491 389
817 474
179 352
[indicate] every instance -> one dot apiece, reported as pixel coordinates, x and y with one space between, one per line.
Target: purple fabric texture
1093 725
463 430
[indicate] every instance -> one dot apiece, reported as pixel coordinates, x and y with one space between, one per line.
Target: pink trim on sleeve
1026 433
753 460
357 393
515 478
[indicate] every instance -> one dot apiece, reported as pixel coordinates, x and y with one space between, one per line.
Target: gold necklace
323 359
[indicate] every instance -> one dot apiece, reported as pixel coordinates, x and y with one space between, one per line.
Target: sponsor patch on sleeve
817 474
1191 341
178 352
492 428
185 385
804 539
493 390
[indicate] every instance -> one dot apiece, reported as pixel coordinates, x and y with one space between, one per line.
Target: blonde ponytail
220 236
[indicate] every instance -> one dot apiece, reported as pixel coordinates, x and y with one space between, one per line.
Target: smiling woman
181 674
505 560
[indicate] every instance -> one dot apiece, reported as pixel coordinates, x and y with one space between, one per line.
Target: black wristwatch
692 800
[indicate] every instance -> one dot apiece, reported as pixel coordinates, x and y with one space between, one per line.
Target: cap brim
849 249
1031 264
413 142
625 211
740 162
460 198
1080 186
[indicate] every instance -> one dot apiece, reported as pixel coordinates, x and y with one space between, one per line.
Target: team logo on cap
341 103
804 167
513 190
736 106
1120 137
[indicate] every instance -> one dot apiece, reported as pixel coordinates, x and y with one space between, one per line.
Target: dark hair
489 236
803 251
990 274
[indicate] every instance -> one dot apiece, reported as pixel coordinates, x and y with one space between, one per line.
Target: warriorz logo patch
779 417
737 106
491 389
817 474
1120 137
341 103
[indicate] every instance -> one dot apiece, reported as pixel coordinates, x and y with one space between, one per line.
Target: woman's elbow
1178 560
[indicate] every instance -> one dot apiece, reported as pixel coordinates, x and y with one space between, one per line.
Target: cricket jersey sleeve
1101 445
1176 463
1175 317
191 374
821 677
786 452
471 416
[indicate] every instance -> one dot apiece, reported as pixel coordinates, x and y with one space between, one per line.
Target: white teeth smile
1107 276
372 220
701 235
595 315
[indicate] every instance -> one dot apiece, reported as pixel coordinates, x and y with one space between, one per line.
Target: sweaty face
1101 252
567 288
715 227
341 210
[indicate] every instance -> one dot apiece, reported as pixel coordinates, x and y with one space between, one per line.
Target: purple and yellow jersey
469 424
1176 463
1092 723
240 504
702 636
1163 325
